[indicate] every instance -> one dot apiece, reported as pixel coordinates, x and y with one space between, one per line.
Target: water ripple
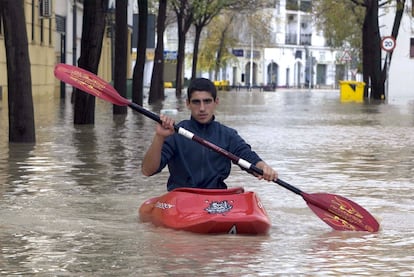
68 204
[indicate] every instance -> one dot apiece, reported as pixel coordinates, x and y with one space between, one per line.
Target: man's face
202 106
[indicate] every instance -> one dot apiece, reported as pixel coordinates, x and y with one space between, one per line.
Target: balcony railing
305 39
291 39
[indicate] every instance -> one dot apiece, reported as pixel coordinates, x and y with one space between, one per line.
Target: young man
191 164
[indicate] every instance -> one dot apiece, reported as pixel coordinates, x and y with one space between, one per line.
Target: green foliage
258 25
229 22
341 22
217 37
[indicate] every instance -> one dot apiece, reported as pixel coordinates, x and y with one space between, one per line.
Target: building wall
107 55
401 83
40 34
298 54
289 51
45 45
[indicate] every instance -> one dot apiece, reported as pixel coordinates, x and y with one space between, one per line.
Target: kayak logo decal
163 206
221 207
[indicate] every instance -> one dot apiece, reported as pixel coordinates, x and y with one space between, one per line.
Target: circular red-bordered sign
388 43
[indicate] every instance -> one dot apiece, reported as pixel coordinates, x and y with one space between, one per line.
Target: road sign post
388 44
346 58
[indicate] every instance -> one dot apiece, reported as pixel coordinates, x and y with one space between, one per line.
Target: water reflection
68 204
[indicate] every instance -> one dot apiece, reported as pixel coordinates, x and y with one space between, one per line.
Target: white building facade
69 17
299 57
400 82
296 57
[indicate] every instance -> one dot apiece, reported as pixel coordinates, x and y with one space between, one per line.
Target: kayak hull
209 211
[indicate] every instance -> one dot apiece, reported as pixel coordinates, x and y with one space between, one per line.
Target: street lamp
110 33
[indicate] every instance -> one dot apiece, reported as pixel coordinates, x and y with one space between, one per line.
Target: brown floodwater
68 203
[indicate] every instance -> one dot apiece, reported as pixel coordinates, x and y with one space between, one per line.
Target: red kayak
209 211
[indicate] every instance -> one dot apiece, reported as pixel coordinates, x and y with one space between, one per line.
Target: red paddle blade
90 83
340 213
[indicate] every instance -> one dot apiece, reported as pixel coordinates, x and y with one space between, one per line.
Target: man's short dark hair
202 84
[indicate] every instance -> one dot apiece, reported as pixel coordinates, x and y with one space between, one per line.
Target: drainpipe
251 62
74 27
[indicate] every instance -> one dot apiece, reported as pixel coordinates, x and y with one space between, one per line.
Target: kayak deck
210 211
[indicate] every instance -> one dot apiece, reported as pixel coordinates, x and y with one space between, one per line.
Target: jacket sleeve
242 149
167 152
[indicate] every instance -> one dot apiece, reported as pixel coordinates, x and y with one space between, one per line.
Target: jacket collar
203 125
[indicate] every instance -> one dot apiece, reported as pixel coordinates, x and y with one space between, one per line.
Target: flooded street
68 204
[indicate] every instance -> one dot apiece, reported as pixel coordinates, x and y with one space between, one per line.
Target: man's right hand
166 128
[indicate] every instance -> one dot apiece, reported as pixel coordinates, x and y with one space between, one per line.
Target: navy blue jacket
194 165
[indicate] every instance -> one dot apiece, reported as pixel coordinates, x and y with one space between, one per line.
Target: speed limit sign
388 43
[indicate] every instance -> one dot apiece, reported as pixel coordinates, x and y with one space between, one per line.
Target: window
305 6
50 31
412 8
302 5
41 30
411 47
60 24
33 19
1 25
293 5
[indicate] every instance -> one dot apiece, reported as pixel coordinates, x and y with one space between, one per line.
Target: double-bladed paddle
338 212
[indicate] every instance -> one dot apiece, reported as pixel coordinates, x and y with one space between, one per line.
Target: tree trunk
221 48
219 56
138 78
121 52
180 56
371 50
184 20
198 30
157 79
93 27
21 112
